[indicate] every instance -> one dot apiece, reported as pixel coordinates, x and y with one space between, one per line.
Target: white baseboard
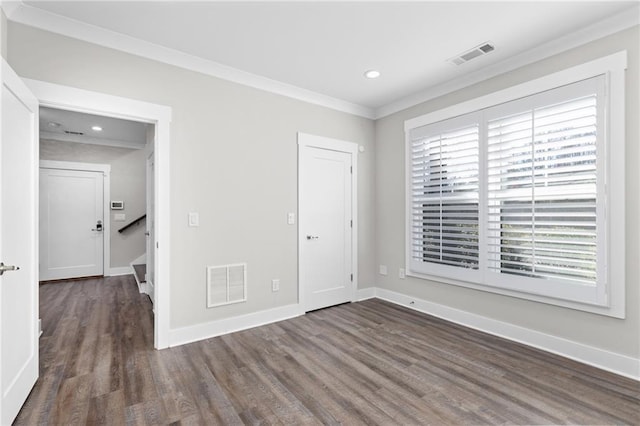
616 363
365 293
142 287
121 270
181 336
150 290
610 361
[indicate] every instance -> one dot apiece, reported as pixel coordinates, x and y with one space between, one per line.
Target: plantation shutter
515 198
542 189
445 194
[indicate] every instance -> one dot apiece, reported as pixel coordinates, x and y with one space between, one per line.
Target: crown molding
611 25
16 11
34 17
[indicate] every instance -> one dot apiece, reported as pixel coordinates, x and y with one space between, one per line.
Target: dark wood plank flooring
363 363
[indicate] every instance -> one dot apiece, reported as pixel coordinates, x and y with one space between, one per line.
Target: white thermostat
117 205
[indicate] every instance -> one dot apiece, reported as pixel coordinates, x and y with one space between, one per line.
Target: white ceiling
61 125
325 47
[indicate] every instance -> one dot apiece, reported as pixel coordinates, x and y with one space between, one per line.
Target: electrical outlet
275 285
383 270
401 273
291 218
194 219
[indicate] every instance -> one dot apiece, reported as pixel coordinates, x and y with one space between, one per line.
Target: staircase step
140 271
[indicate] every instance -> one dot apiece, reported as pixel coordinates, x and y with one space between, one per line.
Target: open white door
18 245
326 227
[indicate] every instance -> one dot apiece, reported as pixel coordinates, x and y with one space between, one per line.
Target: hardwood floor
362 363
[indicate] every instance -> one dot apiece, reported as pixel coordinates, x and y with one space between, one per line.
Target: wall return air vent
476 52
226 284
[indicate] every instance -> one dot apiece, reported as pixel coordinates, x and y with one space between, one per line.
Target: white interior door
18 228
150 231
71 224
325 233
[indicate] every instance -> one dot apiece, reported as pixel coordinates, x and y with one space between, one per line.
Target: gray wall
233 160
620 336
128 184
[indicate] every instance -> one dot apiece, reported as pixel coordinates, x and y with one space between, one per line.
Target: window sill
615 310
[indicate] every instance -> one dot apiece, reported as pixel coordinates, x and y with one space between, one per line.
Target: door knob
4 268
98 226
312 237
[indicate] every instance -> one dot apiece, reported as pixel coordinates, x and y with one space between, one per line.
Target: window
512 197
445 190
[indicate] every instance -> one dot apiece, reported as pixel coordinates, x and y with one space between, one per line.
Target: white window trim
613 67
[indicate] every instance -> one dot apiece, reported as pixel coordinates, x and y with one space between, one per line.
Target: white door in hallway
325 223
71 224
18 244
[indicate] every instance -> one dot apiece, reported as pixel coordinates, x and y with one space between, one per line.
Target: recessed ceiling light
372 74
96 128
54 124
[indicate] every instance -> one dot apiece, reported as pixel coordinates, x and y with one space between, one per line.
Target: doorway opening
93 196
157 118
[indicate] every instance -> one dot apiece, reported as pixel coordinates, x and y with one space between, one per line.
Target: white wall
233 160
3 34
618 336
128 184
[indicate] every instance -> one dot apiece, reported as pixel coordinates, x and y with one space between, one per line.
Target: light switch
291 218
194 219
119 217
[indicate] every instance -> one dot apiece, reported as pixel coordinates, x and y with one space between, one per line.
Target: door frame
105 169
305 141
79 100
149 225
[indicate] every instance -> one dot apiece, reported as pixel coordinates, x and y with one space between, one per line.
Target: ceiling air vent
69 132
480 50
